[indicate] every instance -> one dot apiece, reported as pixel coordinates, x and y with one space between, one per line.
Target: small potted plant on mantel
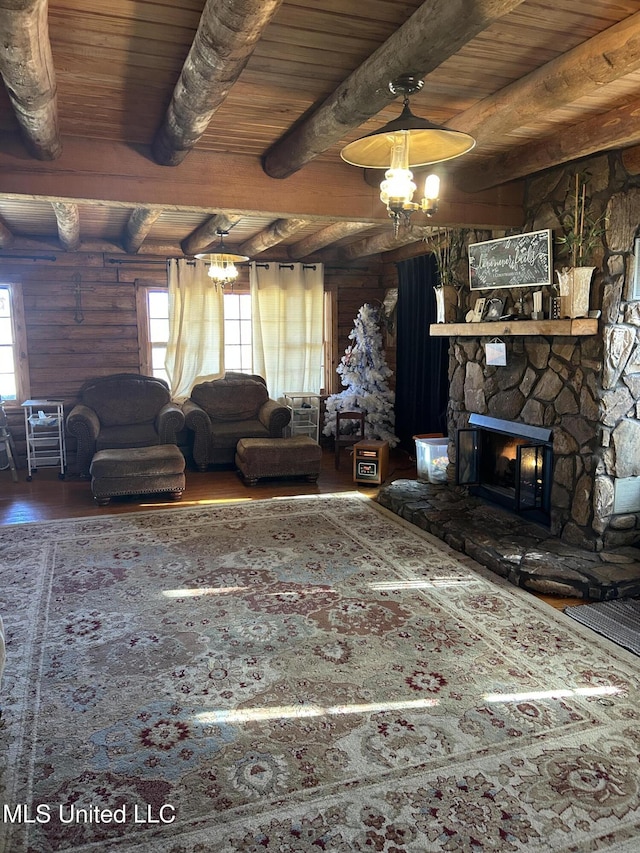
581 238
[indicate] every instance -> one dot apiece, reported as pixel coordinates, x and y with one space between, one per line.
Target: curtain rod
289 266
31 257
137 261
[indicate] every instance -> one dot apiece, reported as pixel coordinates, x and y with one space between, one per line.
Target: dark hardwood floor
48 497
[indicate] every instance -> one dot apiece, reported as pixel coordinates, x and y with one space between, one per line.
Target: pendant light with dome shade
222 263
402 144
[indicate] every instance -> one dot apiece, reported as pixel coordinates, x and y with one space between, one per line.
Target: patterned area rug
619 621
295 676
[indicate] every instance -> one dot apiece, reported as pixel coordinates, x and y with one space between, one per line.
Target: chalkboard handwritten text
522 260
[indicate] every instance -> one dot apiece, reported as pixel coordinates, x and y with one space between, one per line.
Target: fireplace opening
507 462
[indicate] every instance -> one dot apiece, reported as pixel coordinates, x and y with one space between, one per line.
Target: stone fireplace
583 388
507 462
548 384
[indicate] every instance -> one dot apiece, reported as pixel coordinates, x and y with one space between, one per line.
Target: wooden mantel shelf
579 326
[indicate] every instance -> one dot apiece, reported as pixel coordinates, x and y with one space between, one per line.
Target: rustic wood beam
226 37
7 238
616 129
270 236
116 174
26 66
68 219
325 237
606 57
138 227
200 239
385 242
436 31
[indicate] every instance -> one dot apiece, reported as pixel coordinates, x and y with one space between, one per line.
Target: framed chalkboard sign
522 260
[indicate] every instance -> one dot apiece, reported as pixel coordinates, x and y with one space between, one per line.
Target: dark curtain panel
422 387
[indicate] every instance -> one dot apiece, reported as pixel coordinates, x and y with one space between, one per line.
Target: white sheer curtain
287 316
195 350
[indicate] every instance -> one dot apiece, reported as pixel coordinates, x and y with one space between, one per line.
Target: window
158 306
238 353
14 370
154 332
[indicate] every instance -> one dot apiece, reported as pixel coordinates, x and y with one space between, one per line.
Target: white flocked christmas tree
364 371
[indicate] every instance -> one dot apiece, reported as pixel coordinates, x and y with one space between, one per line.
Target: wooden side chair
6 441
355 434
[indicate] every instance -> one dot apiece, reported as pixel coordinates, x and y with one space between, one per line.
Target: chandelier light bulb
403 143
432 187
222 264
398 185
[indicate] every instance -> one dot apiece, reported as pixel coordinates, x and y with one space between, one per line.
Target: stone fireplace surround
586 389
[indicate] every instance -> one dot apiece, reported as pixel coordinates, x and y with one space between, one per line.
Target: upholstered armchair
225 410
122 411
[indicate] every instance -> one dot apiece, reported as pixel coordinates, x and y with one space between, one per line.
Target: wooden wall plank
64 353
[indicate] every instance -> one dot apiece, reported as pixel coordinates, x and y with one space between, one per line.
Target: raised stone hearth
525 553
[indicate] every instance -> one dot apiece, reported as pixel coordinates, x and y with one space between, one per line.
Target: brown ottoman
137 471
278 457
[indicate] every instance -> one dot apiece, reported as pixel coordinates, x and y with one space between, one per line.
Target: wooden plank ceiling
143 125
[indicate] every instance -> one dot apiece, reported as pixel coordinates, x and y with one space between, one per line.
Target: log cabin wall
352 286
81 318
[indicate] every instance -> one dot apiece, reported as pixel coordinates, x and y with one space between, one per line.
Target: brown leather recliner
222 412
124 410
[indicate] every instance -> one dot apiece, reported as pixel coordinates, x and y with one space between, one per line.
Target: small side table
305 413
44 429
370 461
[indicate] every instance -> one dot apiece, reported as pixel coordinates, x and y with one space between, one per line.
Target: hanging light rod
427 142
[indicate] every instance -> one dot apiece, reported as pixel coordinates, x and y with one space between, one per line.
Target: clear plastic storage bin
432 459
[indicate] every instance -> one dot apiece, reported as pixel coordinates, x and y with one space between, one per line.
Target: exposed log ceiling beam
26 65
602 59
225 39
384 242
206 234
115 174
138 226
7 238
324 237
68 219
431 35
615 129
274 234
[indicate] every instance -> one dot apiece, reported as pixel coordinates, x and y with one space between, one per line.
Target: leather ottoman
137 471
299 456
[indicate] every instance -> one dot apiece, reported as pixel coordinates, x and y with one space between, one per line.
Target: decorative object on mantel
448 247
582 236
575 288
475 314
496 352
493 309
438 291
519 260
537 313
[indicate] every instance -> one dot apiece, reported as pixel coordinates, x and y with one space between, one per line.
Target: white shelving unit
44 429
305 413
